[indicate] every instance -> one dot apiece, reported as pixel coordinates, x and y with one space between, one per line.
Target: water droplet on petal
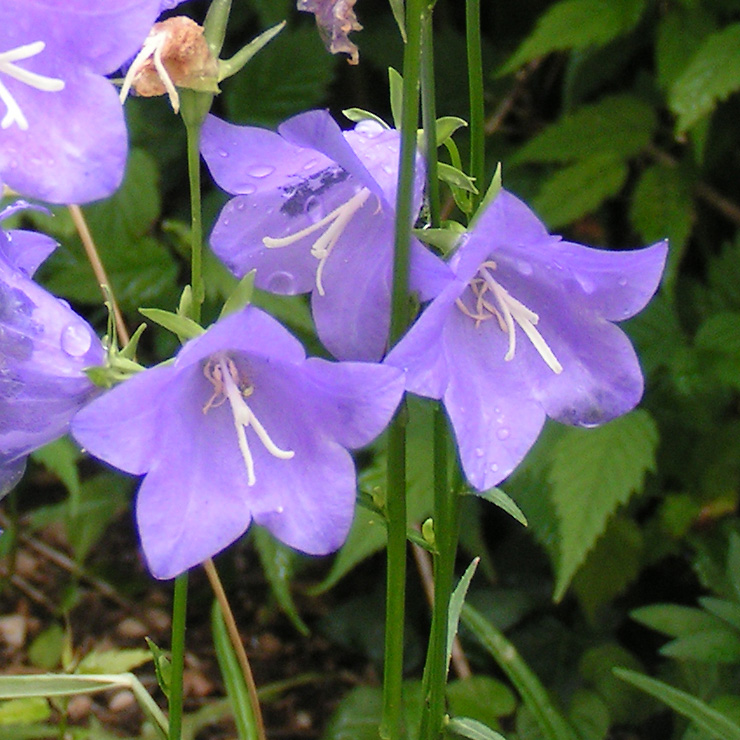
281 282
494 468
503 433
622 282
479 452
240 205
223 153
310 164
76 340
524 267
260 170
313 209
369 128
247 189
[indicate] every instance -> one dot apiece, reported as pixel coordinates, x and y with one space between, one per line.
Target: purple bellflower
525 331
240 427
44 349
62 135
313 212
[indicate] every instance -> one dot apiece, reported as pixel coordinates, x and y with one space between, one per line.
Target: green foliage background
617 120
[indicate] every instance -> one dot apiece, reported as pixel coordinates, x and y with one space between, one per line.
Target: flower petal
123 427
488 401
188 508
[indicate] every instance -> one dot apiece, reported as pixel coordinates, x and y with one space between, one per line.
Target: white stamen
322 247
222 372
509 310
14 113
152 48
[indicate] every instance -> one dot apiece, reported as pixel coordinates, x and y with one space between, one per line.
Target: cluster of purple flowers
243 427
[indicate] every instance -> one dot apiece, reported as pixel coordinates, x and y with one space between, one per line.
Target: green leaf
579 189
277 562
482 698
674 620
711 76
162 667
576 24
183 327
612 565
445 239
358 715
717 725
60 457
23 711
241 295
446 127
663 207
51 684
472 729
680 33
550 721
594 472
292 74
621 125
499 498
236 687
709 646
719 338
395 82
113 661
358 114
457 599
456 178
589 715
46 649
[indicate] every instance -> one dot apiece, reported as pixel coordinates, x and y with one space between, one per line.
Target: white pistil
152 48
507 311
227 385
322 247
14 113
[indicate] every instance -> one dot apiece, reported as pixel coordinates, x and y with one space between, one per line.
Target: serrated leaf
579 189
622 125
663 207
576 24
593 473
289 76
612 565
277 562
717 725
680 33
710 77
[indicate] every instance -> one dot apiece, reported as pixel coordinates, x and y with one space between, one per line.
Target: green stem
179 608
429 117
477 111
194 107
391 726
446 531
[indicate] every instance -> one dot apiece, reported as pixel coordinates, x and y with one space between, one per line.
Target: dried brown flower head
335 19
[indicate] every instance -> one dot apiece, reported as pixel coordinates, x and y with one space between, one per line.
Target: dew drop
622 282
503 433
260 170
247 189
494 468
240 205
479 452
310 164
524 267
281 282
313 209
369 128
223 153
76 340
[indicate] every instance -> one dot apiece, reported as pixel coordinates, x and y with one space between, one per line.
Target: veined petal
124 426
194 501
488 401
